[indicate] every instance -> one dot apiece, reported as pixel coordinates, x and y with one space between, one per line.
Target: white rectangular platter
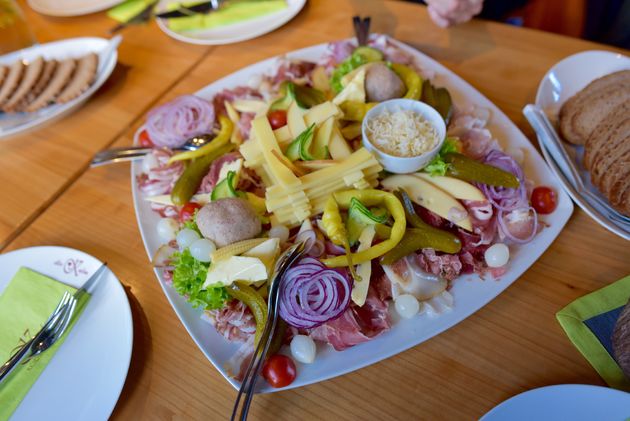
469 291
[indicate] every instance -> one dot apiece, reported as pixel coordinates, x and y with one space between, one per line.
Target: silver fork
52 330
542 126
131 153
253 370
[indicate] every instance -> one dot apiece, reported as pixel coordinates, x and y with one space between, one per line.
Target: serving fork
131 153
53 329
548 136
285 261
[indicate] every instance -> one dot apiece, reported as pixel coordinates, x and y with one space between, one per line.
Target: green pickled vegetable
188 183
422 235
300 148
225 188
305 97
419 238
467 169
411 79
359 216
438 166
354 110
438 98
369 53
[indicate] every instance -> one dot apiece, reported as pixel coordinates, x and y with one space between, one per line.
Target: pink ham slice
357 324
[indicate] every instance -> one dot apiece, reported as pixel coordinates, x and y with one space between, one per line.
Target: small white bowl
404 165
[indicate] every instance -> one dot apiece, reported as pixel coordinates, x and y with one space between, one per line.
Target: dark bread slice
609 168
604 130
614 184
621 340
596 108
576 102
608 151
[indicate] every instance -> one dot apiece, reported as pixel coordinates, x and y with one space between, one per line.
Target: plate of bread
46 81
587 98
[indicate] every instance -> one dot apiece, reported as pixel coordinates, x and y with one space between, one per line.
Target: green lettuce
437 166
355 60
188 278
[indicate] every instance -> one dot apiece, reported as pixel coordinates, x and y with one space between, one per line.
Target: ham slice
357 324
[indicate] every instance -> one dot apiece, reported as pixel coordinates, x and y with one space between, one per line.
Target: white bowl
404 165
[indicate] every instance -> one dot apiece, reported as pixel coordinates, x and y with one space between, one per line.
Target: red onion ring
171 124
503 227
314 244
503 198
312 294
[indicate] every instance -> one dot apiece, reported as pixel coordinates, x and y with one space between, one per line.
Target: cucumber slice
299 148
225 188
360 216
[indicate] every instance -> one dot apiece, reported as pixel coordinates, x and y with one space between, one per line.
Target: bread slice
40 85
81 79
11 81
604 130
609 150
59 80
31 75
577 103
597 108
621 340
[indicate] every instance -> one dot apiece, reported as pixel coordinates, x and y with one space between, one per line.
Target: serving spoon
132 153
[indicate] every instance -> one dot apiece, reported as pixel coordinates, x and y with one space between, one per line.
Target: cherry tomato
144 139
277 119
279 371
188 211
544 200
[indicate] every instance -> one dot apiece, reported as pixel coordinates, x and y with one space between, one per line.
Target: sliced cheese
251 106
295 119
338 147
267 141
364 270
236 268
235 166
283 135
322 112
354 90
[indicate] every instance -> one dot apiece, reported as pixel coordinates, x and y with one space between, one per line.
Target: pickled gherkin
188 183
422 235
464 168
419 238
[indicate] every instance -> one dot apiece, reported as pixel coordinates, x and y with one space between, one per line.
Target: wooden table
511 345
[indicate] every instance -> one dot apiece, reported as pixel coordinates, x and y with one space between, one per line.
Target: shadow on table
140 354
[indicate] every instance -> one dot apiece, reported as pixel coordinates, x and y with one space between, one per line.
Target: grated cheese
401 133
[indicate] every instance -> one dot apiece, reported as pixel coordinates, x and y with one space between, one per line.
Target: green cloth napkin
25 305
230 13
128 9
589 322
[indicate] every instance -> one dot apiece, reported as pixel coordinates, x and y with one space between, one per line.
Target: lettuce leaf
437 166
188 278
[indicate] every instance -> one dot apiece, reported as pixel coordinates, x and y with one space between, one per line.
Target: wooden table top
511 345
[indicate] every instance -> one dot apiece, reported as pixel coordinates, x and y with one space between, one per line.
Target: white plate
561 82
86 375
470 292
11 124
575 402
70 7
239 31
